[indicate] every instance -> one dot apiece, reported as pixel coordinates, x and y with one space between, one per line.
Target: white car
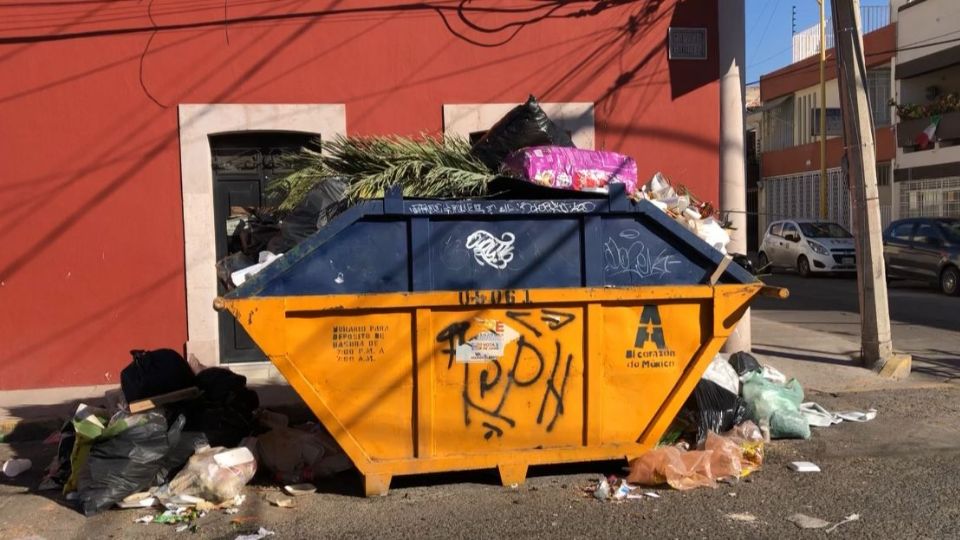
809 246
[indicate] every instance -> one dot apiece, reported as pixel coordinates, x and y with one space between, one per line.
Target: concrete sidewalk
828 361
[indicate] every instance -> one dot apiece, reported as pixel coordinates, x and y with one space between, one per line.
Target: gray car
926 249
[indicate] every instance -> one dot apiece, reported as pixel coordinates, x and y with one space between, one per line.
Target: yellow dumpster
423 349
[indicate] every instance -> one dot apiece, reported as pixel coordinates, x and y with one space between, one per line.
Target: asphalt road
898 473
911 303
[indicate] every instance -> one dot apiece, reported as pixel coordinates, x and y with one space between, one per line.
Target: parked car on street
926 249
809 246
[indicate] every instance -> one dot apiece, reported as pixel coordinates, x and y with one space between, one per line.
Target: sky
769 34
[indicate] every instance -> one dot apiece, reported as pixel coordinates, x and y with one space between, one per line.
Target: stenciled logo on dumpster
650 347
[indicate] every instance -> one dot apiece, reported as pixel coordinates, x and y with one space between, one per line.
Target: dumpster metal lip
394 205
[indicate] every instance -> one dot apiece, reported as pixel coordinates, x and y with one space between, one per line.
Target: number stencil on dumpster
523 391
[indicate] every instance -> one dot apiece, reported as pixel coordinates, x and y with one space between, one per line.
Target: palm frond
422 167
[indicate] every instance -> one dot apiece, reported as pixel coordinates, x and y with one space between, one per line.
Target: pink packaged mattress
573 168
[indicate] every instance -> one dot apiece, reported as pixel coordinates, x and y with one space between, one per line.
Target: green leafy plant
423 167
947 103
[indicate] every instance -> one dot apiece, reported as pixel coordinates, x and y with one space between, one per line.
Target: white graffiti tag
635 259
490 250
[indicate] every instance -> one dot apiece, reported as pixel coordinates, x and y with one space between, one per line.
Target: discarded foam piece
14 467
804 466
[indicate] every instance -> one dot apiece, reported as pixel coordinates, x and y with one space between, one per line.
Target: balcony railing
947 134
806 42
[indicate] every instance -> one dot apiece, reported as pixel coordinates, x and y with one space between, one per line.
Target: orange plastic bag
726 459
734 454
672 466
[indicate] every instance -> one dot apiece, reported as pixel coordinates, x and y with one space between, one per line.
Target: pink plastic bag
573 168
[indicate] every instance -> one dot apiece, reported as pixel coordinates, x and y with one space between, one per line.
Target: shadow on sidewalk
806 356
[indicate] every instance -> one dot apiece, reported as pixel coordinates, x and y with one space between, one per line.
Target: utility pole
858 135
733 156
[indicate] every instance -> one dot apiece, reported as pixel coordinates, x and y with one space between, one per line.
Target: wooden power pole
861 154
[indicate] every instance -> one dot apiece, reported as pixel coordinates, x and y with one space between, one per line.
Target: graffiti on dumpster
490 250
502 207
539 360
635 258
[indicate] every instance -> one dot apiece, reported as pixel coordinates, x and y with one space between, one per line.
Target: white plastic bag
722 373
212 474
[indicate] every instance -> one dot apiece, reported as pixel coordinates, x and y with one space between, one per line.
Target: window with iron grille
878 94
778 126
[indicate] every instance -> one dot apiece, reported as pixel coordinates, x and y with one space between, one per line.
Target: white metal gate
797 196
939 197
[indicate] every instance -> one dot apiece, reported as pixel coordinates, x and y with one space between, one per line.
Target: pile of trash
737 407
183 438
524 147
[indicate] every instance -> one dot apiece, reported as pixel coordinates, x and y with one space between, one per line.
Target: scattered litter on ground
602 490
259 535
231 511
280 500
652 495
848 519
143 499
819 416
803 466
14 467
807 522
144 519
744 516
622 491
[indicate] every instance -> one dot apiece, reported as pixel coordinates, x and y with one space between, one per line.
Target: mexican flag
925 137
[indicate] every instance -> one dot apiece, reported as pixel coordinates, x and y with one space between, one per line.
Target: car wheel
950 281
803 266
764 264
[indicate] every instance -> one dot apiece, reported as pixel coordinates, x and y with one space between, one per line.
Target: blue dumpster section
410 245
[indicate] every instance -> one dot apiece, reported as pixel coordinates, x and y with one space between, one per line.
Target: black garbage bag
224 412
127 462
525 125
59 470
310 214
711 407
744 362
744 262
152 373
